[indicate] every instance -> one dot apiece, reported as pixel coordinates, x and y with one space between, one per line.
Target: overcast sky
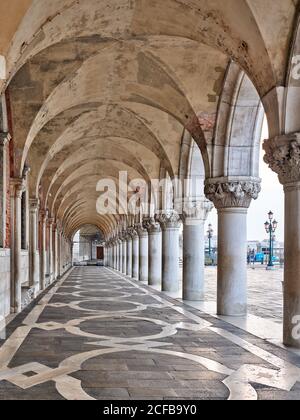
270 198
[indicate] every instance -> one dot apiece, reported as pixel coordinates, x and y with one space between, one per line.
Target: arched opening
120 130
88 246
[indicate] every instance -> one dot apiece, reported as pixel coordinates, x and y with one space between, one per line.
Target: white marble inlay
283 376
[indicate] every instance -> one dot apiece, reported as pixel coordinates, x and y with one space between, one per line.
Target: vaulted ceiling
100 86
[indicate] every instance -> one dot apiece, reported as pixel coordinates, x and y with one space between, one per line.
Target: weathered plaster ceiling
102 85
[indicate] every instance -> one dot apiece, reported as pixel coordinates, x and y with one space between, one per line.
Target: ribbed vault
105 86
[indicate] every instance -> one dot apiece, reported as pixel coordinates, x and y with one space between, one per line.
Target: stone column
34 271
170 224
63 253
129 254
55 252
116 251
283 157
59 251
232 199
105 256
155 253
124 254
17 188
115 255
135 254
111 256
4 141
143 254
50 249
194 218
43 256
120 251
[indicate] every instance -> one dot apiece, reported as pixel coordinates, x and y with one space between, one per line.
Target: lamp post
271 227
210 233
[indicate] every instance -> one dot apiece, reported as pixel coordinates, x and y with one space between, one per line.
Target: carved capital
34 205
4 139
232 193
283 157
142 230
129 233
169 220
152 226
133 232
17 187
44 216
50 222
196 211
123 235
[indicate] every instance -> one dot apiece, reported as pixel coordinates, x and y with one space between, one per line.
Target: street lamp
210 234
271 227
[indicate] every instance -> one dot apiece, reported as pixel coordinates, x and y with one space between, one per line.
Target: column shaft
120 261
34 275
129 256
135 256
4 140
17 189
291 324
55 253
43 256
50 250
155 255
144 255
232 264
193 261
170 260
124 256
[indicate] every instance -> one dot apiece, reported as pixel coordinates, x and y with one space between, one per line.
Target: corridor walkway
98 335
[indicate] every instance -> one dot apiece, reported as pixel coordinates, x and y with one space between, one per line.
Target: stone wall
4 282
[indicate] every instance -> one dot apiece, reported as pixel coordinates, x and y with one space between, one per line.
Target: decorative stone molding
142 230
44 216
134 233
169 220
34 205
50 222
123 235
152 226
232 193
196 210
17 187
129 233
283 157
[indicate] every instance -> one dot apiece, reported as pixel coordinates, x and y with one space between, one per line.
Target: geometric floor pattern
96 335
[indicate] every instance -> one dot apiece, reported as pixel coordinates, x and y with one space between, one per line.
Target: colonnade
49 251
152 248
150 251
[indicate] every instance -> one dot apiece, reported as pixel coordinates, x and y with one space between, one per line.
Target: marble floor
265 296
98 335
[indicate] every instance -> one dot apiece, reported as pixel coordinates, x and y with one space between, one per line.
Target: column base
235 314
154 282
170 288
193 296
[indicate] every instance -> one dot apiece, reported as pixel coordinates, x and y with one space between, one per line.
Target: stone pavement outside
265 297
98 335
